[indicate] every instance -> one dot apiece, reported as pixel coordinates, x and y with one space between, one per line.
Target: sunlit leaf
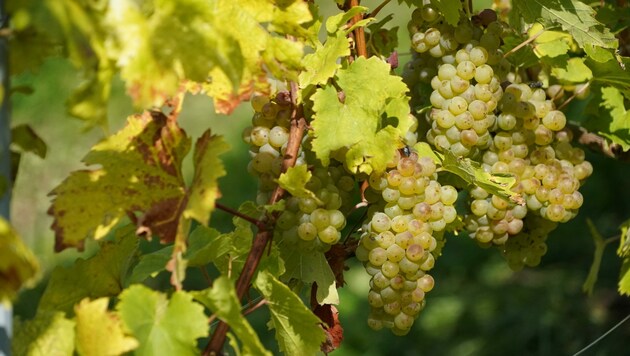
18 265
48 334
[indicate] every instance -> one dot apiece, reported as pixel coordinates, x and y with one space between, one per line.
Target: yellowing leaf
99 332
364 119
209 168
140 172
297 328
223 301
48 334
162 326
18 265
322 64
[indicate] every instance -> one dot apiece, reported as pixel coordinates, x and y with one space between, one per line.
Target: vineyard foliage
464 135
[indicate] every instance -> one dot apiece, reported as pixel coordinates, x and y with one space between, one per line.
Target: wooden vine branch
258 223
359 32
265 232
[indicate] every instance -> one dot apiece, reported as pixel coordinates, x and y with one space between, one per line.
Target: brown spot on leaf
162 219
332 327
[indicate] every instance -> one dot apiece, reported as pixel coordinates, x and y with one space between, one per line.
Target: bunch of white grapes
400 237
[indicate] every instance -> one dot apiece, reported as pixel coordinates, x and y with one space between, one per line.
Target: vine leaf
223 301
99 332
140 172
162 326
297 328
332 327
294 180
208 169
471 172
575 71
18 265
322 64
205 245
310 267
451 10
624 241
48 334
367 123
574 16
98 276
616 118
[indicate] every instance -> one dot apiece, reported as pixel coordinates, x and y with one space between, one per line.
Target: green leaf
100 332
450 9
552 49
223 301
205 245
140 172
209 168
599 54
89 101
624 242
368 121
612 73
618 122
162 326
48 334
99 276
624 278
339 22
322 64
424 150
25 139
150 265
471 172
573 16
294 181
18 265
297 328
310 266
575 72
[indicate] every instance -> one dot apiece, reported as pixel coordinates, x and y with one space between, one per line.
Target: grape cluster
398 245
268 137
312 221
316 222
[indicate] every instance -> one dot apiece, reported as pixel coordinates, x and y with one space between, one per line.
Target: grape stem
258 223
524 43
265 232
577 92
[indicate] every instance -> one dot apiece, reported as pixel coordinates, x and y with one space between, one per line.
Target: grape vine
481 138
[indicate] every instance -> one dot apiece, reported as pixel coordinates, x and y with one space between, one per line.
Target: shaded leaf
297 328
573 16
162 326
25 139
368 120
99 276
100 332
223 301
450 9
310 266
48 334
18 265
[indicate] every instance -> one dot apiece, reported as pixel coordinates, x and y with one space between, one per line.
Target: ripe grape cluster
400 238
460 73
312 221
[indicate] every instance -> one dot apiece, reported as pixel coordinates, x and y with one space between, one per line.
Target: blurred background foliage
478 307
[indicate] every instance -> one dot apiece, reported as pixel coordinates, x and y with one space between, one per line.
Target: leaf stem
255 306
524 43
575 94
377 9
